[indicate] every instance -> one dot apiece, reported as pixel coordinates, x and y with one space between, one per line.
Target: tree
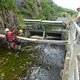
10 14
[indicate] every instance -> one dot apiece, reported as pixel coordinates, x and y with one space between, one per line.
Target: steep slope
11 11
43 9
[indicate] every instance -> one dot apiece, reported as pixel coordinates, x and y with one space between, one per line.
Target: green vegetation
13 14
44 9
15 64
9 13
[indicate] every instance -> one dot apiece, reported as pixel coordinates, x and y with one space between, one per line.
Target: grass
15 64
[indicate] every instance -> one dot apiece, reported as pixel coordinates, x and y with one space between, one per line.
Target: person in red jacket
10 37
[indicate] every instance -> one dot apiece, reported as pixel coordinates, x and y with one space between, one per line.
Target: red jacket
10 34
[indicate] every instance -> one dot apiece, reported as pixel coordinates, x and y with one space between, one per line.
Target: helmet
6 29
20 31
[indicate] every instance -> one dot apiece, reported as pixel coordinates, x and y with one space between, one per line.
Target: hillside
43 9
12 12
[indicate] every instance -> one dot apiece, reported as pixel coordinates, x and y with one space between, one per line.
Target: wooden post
44 34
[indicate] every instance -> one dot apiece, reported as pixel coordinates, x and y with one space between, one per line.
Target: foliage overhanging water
35 62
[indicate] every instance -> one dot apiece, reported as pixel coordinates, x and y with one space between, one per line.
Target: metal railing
70 71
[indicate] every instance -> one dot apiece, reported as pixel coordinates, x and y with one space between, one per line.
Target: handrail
62 42
77 27
42 21
72 72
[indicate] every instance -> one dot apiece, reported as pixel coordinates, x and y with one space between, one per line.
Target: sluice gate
38 31
69 33
45 29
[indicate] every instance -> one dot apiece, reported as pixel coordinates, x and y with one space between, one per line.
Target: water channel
33 62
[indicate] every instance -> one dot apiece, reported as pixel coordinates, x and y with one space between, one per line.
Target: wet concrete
50 60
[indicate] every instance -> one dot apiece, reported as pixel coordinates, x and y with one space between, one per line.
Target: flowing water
34 62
